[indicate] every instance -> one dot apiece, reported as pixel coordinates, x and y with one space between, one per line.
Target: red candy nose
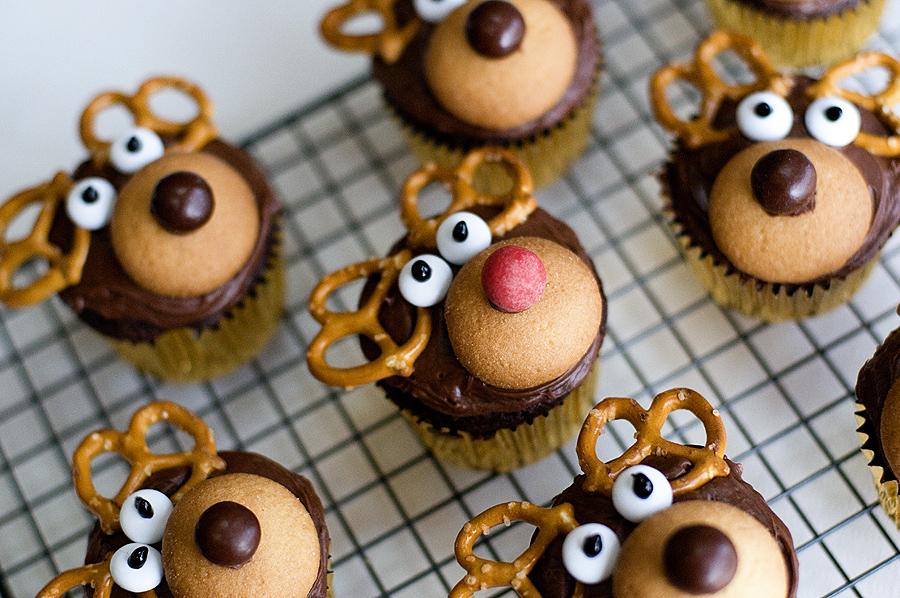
513 278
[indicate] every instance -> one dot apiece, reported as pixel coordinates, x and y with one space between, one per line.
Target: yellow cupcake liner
187 355
888 490
801 42
509 449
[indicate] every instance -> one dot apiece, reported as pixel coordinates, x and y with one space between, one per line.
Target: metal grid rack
785 391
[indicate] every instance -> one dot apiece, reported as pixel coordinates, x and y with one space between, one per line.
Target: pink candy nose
513 278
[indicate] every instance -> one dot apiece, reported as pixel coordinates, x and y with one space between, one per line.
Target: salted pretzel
518 202
700 73
190 136
388 43
132 446
63 268
482 574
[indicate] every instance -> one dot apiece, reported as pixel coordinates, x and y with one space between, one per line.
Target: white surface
257 61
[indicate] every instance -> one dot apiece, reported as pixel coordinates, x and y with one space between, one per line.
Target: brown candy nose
228 534
495 28
784 183
700 559
182 202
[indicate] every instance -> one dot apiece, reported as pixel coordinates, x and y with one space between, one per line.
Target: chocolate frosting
874 382
169 480
440 390
689 175
112 303
406 88
802 9
549 574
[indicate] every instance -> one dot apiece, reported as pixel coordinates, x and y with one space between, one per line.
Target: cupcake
781 191
663 520
521 74
801 32
483 325
197 524
168 243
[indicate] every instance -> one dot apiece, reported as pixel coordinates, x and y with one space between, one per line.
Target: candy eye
765 116
434 11
144 515
590 552
134 150
136 568
641 491
833 121
90 203
424 280
461 236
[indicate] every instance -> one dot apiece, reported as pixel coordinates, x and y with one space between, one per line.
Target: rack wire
784 390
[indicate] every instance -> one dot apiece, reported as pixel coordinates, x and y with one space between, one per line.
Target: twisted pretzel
388 44
881 103
96 575
132 446
708 461
63 269
482 574
518 201
191 135
700 73
394 359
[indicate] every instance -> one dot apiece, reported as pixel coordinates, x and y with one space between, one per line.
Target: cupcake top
197 524
662 519
141 233
806 165
521 325
879 394
802 9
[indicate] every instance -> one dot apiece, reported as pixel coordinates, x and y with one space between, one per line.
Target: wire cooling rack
785 391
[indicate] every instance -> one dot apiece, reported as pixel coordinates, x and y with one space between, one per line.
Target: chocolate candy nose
784 183
495 28
700 559
182 202
228 534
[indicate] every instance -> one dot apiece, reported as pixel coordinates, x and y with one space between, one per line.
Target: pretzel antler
518 201
191 135
388 44
700 73
132 446
63 269
394 359
482 574
708 461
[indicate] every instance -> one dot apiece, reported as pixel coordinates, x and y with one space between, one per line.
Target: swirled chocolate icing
441 391
802 9
689 175
169 480
553 581
112 303
406 88
874 382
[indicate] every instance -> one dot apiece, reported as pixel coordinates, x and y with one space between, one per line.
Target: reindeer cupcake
783 190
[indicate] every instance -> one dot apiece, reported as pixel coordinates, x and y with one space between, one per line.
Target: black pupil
90 195
642 485
421 271
460 231
763 110
138 558
133 145
144 508
592 545
833 113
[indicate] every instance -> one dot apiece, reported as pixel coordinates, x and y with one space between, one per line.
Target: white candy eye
144 515
590 552
424 280
135 149
833 121
461 236
434 11
641 491
765 116
136 567
90 203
